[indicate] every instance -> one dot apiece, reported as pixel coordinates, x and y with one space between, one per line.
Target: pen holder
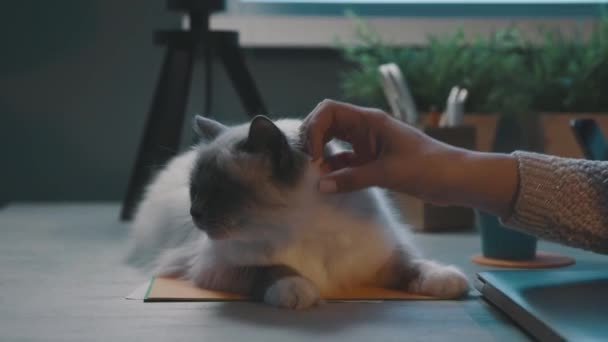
431 218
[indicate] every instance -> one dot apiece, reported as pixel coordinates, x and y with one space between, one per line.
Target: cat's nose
196 213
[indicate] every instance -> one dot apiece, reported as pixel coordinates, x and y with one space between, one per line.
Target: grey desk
61 279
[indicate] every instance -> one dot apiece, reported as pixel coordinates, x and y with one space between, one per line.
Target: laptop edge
531 324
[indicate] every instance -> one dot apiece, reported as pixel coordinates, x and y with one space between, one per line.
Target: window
448 8
316 23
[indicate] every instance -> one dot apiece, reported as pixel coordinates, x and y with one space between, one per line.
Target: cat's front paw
292 293
440 281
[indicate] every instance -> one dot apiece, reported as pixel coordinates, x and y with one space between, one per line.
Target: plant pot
500 242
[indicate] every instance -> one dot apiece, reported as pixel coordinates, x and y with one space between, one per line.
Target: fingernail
327 185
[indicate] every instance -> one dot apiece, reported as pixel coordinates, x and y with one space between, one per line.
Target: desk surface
63 280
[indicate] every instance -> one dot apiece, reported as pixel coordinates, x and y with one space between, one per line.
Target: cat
240 212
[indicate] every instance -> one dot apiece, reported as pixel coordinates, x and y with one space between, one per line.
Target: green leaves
505 72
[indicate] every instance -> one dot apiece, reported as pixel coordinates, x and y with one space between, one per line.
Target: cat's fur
263 229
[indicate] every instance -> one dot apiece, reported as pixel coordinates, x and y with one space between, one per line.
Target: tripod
166 116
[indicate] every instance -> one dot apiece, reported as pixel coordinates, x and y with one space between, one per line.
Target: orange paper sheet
175 290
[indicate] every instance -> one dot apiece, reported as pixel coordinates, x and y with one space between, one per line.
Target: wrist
484 181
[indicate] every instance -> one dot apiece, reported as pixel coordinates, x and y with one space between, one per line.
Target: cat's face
241 176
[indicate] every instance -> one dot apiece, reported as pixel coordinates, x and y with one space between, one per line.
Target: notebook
175 290
551 305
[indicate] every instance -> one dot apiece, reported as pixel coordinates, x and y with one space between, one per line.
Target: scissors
398 93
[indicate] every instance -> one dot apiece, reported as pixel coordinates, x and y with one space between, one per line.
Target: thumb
350 179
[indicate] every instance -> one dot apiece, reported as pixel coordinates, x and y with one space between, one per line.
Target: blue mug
500 242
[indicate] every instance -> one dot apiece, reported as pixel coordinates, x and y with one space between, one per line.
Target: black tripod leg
208 55
162 132
234 62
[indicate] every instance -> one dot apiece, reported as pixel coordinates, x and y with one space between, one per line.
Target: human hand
385 152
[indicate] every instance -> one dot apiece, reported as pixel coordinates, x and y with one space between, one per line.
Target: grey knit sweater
562 200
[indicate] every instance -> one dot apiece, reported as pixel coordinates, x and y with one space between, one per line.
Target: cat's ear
206 128
266 138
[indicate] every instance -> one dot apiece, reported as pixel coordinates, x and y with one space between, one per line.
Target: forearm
558 199
485 181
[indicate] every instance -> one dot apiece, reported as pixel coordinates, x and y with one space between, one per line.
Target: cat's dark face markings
224 200
217 199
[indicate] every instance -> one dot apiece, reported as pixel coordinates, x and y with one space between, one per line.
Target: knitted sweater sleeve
562 200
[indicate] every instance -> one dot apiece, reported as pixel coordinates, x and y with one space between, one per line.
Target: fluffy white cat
241 212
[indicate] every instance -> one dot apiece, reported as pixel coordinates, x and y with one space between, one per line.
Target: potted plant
490 68
545 84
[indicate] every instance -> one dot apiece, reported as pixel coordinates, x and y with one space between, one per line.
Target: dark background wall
76 79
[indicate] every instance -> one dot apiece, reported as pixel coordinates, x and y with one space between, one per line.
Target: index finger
330 119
